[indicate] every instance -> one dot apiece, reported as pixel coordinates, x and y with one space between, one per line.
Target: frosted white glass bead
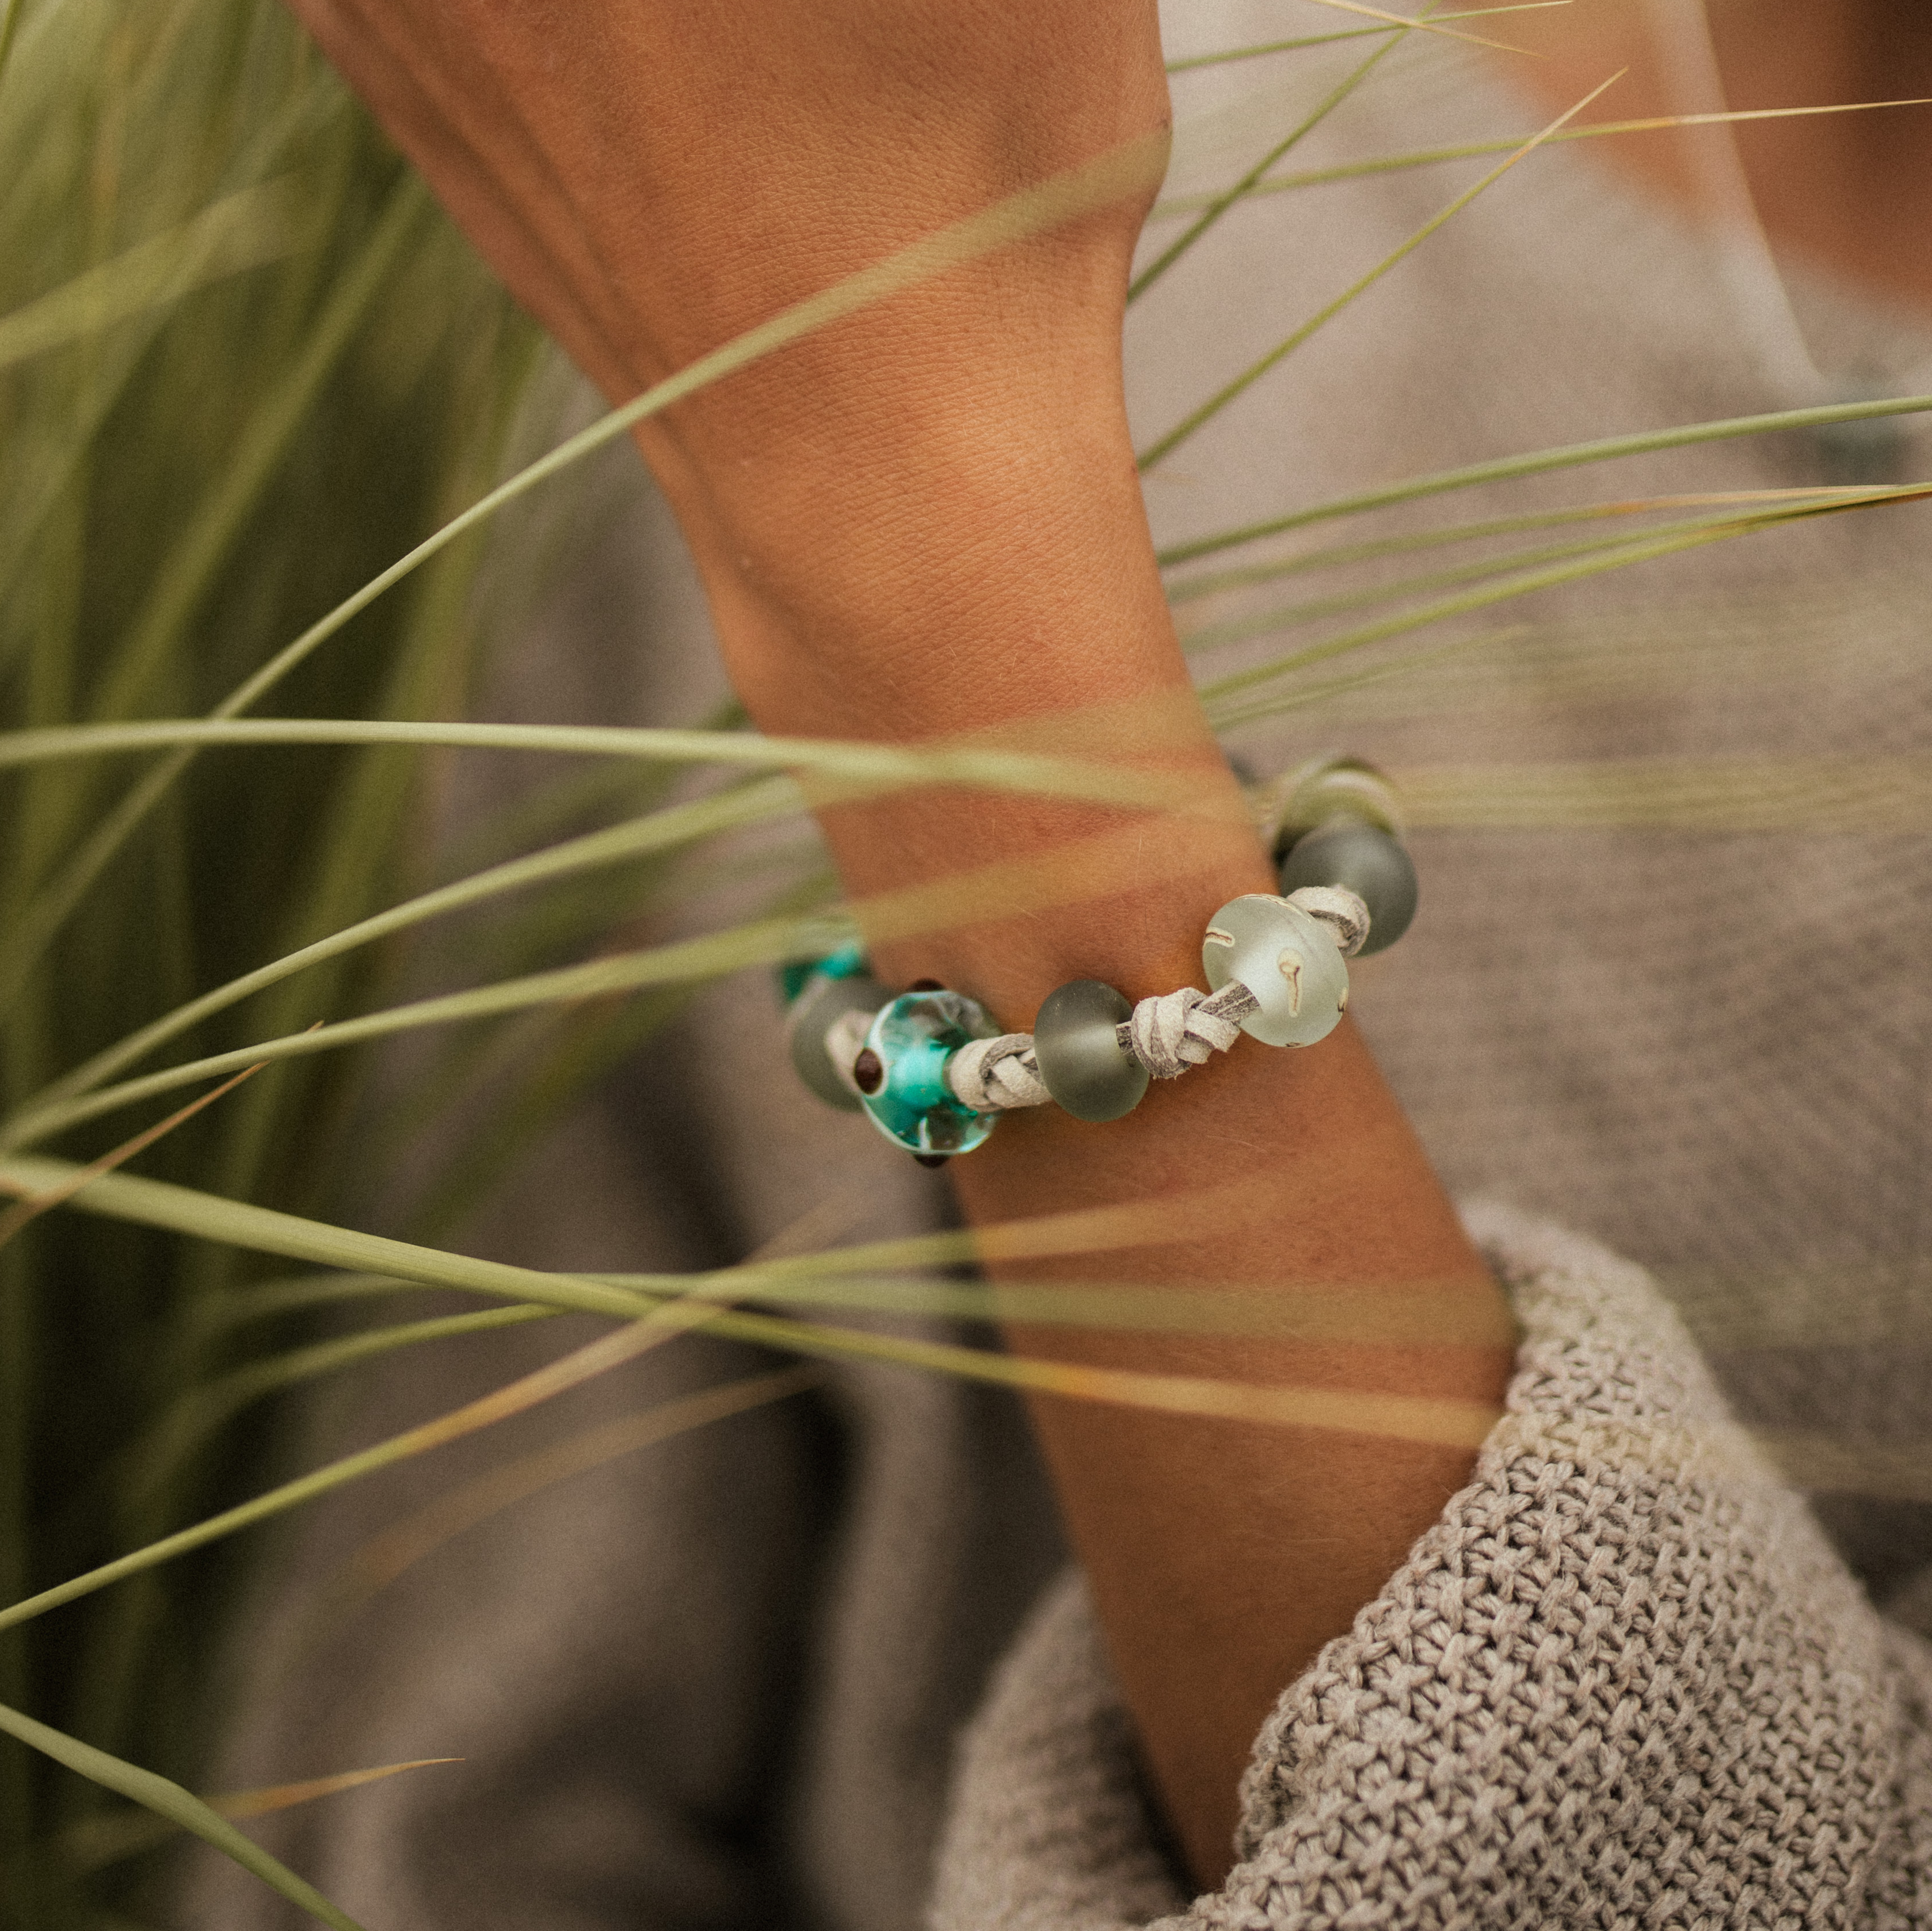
1287 959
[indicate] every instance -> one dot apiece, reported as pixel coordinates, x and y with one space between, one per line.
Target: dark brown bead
925 985
932 1159
868 1071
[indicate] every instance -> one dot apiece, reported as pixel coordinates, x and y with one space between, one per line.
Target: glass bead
1287 959
1329 787
1080 1056
1868 450
823 1001
913 1036
1365 859
847 962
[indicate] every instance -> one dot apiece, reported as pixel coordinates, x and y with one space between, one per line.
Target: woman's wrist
991 580
852 510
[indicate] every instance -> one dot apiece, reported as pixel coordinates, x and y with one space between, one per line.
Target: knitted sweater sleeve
1623 1681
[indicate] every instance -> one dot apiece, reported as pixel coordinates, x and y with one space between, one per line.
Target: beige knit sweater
1623 1682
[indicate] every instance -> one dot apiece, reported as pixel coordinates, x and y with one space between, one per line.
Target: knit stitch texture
1624 1682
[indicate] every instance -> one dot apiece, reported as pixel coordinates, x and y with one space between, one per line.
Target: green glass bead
1365 860
1079 1053
822 1001
1328 787
1287 958
912 1037
795 975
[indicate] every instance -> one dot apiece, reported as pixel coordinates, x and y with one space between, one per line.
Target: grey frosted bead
1079 1054
1287 959
1871 449
813 1014
1370 861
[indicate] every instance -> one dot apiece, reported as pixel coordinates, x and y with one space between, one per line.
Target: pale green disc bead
1288 960
1079 1053
813 1013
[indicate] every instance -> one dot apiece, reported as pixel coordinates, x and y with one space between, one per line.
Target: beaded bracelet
933 1073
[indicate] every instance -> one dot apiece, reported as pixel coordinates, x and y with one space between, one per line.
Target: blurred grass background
244 362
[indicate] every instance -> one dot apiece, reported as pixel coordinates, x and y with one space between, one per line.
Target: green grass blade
1541 461
1182 205
861 1275
204 1216
84 417
1262 623
1215 695
179 1807
862 762
297 1293
765 942
1227 55
1215 583
661 830
564 806
1373 1314
180 1209
841 1278
1309 696
21 1395
403 1544
95 1842
10 11
1427 22
203 1410
1867 796
663 1322
1402 1417
1223 57
1406 1417
697 1301
247 229
1221 202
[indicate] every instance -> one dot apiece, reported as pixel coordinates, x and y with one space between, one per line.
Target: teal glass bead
1365 859
795 975
824 1000
912 1038
1287 959
1079 1053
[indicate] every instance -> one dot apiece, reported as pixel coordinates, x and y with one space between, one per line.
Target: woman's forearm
922 523
1003 581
